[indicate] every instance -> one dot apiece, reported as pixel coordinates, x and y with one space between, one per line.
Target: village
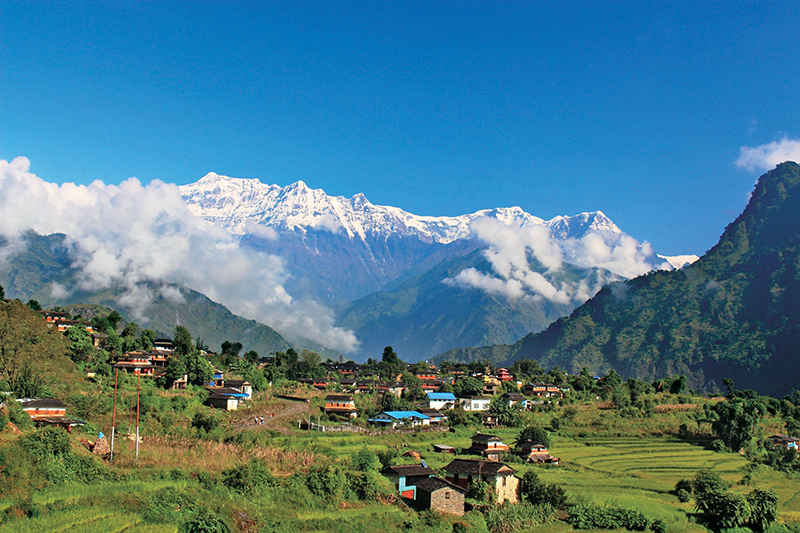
349 397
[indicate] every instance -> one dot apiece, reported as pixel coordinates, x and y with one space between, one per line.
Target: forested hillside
733 313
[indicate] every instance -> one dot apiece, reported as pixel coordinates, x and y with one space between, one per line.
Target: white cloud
511 248
328 223
128 234
58 291
767 156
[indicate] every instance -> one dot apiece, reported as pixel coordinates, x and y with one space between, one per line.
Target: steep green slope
734 313
424 316
30 273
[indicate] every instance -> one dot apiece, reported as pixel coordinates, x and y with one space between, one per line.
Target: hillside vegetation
734 313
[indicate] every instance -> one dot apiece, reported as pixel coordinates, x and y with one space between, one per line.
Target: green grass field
626 466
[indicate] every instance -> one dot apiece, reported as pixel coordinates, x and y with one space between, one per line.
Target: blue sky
637 109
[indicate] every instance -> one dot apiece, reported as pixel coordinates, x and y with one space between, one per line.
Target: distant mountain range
386 271
734 313
419 283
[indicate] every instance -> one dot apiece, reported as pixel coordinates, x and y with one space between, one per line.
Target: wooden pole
137 418
114 415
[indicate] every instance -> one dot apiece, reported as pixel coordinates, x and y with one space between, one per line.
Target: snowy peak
235 202
679 261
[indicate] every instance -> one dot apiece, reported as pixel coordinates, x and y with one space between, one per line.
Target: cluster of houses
419 484
63 322
438 404
353 378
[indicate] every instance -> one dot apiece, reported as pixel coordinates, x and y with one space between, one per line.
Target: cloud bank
768 156
511 248
128 234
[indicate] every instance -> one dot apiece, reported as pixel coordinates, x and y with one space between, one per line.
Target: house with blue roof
441 400
401 418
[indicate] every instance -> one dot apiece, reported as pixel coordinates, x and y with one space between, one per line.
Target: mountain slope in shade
733 313
426 315
29 273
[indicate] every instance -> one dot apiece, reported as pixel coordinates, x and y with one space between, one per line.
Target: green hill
734 313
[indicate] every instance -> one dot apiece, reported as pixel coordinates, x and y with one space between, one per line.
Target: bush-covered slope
734 313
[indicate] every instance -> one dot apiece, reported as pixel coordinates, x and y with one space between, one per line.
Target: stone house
439 495
500 477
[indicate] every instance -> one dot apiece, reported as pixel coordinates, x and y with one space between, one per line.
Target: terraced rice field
638 473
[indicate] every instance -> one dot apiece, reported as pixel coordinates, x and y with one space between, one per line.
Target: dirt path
274 417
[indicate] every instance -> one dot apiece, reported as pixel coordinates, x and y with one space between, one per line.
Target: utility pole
137 418
114 415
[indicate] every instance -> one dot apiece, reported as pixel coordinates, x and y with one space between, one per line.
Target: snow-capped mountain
237 204
370 262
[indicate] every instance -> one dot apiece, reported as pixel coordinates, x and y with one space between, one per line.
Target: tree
736 421
146 339
509 386
391 365
26 340
183 341
175 370
445 387
467 386
610 381
678 386
507 415
27 383
364 460
763 508
34 305
199 370
80 344
414 391
526 368
231 348
726 509
534 434
706 481
583 381
537 492
114 318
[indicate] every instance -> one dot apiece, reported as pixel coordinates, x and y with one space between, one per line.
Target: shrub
367 486
47 442
591 517
387 457
205 522
205 422
249 478
326 481
364 460
479 491
508 518
535 491
717 445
